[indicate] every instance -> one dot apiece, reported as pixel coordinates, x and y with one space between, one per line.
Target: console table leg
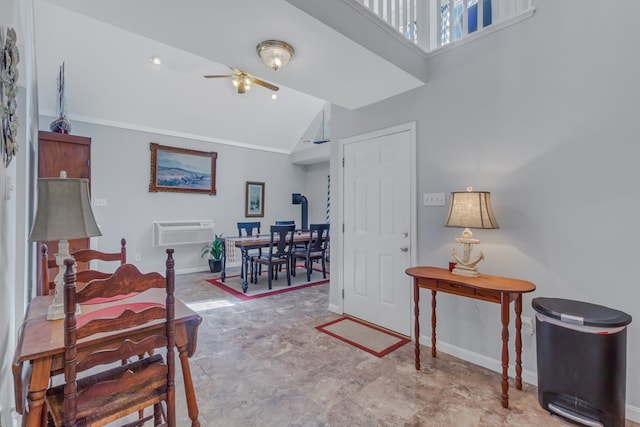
504 305
518 307
416 327
433 323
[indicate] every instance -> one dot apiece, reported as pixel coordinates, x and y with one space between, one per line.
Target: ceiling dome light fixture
274 53
155 60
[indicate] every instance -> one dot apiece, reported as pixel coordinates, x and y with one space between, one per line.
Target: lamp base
466 271
56 309
466 266
56 312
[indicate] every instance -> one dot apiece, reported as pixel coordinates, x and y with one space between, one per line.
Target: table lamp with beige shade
469 209
63 213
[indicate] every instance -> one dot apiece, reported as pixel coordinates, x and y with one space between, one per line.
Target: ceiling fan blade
265 84
213 76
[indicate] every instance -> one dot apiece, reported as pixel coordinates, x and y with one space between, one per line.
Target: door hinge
343 162
343 227
343 294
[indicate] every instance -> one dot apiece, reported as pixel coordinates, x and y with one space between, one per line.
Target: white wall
120 173
316 191
13 211
544 115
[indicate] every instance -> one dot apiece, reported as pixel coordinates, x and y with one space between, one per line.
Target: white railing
432 24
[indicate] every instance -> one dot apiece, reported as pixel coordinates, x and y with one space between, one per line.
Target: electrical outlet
138 257
99 202
528 325
434 199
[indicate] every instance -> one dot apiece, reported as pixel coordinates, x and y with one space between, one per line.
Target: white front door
378 175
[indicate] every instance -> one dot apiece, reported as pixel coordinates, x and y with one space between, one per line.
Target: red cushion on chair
114 311
100 300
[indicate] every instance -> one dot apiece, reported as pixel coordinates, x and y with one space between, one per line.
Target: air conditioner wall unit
169 233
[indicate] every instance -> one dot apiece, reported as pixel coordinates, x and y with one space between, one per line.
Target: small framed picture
254 199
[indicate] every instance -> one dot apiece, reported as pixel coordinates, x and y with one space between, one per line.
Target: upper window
432 24
447 34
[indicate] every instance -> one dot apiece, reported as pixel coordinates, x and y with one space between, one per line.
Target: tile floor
263 363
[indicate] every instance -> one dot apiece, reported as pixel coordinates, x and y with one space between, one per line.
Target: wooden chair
279 253
316 249
248 228
251 228
108 394
295 245
82 257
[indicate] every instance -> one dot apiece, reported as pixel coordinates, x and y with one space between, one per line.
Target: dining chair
278 253
295 245
108 393
251 228
316 249
248 228
82 257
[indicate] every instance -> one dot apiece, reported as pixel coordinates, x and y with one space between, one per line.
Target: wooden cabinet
60 152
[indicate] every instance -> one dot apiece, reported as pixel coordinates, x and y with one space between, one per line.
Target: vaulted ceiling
107 45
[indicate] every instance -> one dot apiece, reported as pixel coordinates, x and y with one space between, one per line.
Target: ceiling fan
242 80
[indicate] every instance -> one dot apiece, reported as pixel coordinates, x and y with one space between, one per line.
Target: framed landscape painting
254 199
182 170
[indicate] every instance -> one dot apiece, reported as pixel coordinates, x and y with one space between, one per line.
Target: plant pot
215 265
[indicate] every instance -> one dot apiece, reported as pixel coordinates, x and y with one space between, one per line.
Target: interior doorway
379 226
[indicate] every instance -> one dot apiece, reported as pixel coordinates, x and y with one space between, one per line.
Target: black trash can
582 360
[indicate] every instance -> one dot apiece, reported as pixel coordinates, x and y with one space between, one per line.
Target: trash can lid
582 313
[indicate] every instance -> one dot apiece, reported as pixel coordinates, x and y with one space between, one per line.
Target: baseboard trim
335 308
633 413
529 377
202 268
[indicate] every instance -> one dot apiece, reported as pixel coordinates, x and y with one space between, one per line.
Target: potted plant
214 250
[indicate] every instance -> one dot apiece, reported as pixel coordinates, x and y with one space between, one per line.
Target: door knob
404 248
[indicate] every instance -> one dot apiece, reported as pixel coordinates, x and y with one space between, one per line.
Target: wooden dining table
39 354
247 243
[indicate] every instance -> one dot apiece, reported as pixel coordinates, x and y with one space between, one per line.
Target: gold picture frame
182 170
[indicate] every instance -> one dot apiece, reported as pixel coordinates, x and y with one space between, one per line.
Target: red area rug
367 337
233 284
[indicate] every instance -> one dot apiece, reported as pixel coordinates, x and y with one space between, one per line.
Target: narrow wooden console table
501 290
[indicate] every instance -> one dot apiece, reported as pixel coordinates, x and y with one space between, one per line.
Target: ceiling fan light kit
242 80
242 83
274 53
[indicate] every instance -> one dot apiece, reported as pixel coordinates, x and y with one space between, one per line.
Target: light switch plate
434 199
8 187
